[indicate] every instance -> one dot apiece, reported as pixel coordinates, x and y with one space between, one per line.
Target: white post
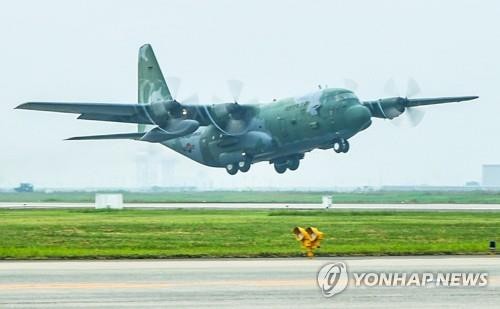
108 201
327 201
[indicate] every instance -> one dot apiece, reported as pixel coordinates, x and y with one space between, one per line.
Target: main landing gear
281 165
242 166
340 145
291 163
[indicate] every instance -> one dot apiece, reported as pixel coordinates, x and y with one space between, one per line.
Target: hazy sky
87 51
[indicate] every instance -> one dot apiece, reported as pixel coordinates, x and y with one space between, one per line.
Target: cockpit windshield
343 96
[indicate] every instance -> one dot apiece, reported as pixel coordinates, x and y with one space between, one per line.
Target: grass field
78 233
473 197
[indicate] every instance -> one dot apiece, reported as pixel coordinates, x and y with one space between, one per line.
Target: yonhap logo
333 278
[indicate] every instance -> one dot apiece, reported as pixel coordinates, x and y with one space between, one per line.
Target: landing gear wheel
232 169
280 168
293 164
337 146
244 166
341 145
345 146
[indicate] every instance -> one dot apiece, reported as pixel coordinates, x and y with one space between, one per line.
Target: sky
86 51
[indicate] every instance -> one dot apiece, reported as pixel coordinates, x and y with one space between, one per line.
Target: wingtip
73 138
22 106
467 98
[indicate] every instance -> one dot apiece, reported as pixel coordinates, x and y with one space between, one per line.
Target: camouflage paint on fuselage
278 129
281 128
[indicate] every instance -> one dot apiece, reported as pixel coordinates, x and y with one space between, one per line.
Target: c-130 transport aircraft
233 135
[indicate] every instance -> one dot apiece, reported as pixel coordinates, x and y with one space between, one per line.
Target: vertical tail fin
152 87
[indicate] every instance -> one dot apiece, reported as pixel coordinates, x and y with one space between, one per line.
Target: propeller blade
174 83
391 88
192 99
409 119
253 101
216 99
235 88
350 84
415 116
412 88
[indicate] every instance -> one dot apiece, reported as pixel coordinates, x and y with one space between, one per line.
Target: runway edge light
493 246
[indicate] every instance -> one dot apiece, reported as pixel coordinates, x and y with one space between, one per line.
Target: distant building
25 187
491 175
154 168
472 183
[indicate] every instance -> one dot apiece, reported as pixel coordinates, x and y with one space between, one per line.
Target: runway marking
158 285
492 280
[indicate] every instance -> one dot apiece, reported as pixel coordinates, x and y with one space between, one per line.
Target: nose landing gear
341 145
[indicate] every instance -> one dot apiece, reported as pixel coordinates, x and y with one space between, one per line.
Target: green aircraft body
235 136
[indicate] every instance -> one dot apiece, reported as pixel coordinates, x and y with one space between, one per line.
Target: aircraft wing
391 108
430 101
229 118
115 112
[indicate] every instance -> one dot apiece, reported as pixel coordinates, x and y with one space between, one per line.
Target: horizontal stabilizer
135 136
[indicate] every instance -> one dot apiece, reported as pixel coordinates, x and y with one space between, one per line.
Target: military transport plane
234 135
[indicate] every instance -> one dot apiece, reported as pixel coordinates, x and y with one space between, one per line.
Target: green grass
78 233
473 197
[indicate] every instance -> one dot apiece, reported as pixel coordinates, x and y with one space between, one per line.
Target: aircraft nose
359 117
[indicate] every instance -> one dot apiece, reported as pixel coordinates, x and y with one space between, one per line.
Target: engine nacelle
176 128
387 108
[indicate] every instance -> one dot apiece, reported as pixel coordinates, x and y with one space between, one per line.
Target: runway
228 283
228 206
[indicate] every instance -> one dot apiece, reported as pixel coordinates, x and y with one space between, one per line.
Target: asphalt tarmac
230 283
402 207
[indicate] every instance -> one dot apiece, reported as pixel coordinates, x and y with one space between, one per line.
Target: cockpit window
344 96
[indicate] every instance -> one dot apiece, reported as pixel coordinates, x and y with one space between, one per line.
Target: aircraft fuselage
282 128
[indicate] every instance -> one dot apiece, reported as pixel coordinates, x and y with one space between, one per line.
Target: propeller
171 118
192 99
174 84
350 84
411 116
232 119
235 88
176 117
